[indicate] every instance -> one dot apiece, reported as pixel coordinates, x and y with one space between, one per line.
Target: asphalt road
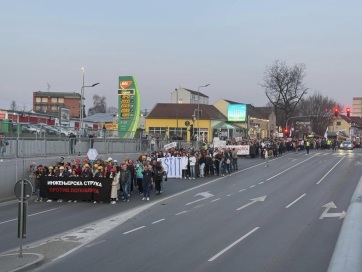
285 217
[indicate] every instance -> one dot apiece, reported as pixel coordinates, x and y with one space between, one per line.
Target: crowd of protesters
147 174
126 175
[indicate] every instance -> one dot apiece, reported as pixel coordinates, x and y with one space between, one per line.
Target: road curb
12 262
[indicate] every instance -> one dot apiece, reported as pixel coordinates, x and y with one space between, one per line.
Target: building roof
56 94
353 120
100 118
174 110
196 92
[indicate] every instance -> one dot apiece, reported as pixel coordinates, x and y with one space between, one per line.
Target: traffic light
191 129
336 111
286 132
348 110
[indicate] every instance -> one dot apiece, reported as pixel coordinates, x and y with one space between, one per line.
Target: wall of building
73 105
172 123
356 106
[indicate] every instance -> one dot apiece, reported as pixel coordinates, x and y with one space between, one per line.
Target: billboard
236 112
129 107
64 116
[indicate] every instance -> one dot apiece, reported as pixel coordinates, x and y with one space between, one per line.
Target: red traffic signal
286 132
336 111
348 110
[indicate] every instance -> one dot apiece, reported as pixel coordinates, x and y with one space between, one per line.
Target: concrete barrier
347 255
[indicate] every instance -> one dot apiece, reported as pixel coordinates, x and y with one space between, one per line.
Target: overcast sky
167 44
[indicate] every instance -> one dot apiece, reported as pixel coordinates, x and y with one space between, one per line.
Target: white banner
170 145
172 166
242 149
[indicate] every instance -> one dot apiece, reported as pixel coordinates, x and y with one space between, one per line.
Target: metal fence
19 147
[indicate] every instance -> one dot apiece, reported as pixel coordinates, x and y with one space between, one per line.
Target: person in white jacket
266 155
115 183
184 163
192 160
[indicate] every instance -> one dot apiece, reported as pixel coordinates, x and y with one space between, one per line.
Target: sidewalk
12 262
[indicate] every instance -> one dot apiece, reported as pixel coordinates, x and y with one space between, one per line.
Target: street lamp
81 102
198 110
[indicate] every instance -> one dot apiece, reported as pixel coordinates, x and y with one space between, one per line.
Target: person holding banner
125 181
115 183
147 181
158 173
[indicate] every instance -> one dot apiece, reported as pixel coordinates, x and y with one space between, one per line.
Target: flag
291 130
326 134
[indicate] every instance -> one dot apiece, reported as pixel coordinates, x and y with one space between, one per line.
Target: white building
186 96
357 106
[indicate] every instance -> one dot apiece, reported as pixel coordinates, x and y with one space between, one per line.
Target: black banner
76 188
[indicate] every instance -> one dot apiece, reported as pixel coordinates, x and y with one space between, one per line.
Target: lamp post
177 113
198 110
82 103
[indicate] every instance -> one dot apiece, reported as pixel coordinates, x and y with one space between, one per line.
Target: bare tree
13 106
319 109
99 105
284 88
112 109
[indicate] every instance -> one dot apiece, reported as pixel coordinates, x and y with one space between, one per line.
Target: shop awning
224 125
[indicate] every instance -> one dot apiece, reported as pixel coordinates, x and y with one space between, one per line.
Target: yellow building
346 127
181 122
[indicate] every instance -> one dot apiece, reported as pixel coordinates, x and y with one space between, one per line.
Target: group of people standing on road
125 176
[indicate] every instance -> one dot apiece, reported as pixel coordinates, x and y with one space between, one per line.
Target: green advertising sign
129 107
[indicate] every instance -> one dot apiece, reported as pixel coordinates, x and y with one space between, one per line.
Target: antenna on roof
48 87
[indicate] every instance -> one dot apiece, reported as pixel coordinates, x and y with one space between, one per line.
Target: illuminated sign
237 112
129 109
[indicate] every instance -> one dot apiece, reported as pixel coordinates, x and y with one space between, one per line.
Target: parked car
64 131
346 145
49 130
28 128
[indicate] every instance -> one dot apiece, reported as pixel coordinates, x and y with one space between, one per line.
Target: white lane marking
253 200
29 215
233 244
158 221
295 201
261 182
242 190
252 186
96 243
229 195
215 199
180 212
134 230
330 171
291 167
83 236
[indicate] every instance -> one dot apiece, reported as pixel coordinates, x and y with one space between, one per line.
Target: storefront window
178 133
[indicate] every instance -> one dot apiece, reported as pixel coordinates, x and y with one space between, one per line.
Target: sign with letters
76 188
129 107
172 166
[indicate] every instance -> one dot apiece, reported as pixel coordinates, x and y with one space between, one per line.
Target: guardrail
347 255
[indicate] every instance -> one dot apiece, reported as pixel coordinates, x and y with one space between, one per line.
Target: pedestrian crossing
339 154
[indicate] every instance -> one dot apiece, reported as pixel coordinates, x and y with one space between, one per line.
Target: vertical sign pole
21 218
